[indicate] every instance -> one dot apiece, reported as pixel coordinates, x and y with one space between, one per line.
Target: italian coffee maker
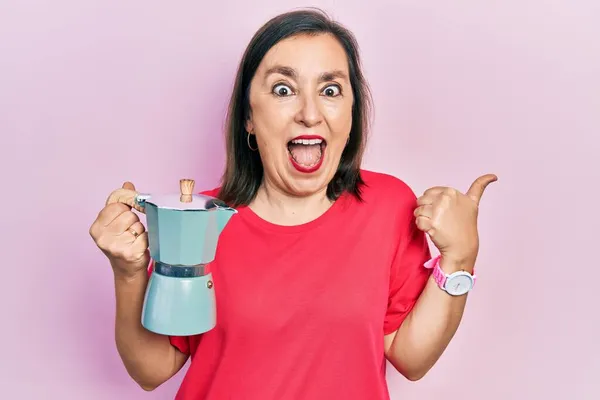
183 232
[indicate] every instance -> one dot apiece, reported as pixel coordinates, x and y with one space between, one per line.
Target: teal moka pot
183 231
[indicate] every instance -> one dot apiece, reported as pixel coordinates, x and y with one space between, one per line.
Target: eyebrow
291 73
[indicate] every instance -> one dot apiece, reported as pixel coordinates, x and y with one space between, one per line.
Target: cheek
270 147
268 135
272 121
270 118
340 118
266 127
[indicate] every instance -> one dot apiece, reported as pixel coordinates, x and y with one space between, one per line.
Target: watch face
459 283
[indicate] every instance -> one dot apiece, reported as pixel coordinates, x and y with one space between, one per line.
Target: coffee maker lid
185 200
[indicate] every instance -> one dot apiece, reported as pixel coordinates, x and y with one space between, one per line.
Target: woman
323 274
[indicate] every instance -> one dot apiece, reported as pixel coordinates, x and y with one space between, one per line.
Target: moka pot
183 232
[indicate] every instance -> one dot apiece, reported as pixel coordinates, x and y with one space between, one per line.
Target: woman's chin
305 184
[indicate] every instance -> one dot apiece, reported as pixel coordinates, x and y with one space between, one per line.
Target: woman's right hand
118 232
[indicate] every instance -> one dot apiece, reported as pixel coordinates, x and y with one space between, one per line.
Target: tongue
305 154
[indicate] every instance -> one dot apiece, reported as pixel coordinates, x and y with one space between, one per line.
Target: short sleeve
182 343
408 276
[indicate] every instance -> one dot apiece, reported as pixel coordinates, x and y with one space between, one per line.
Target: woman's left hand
449 217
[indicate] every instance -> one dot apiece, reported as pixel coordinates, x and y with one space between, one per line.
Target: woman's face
301 112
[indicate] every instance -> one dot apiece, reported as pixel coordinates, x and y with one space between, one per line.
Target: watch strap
439 275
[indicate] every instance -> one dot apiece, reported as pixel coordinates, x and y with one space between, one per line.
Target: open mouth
307 152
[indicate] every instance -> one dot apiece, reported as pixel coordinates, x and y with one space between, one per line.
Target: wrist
456 277
451 264
123 275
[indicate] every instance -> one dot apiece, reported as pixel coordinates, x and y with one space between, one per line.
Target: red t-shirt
302 310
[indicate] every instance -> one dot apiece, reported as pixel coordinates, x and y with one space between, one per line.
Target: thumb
125 195
128 185
476 190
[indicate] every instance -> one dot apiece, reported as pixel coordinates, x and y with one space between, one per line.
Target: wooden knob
186 187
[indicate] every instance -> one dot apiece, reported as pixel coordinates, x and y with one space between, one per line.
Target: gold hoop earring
248 140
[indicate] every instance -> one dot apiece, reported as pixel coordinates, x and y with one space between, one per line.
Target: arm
149 358
450 219
427 330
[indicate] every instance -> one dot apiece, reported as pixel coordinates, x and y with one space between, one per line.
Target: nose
309 113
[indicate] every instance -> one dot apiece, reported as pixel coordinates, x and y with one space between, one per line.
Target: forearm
148 357
428 329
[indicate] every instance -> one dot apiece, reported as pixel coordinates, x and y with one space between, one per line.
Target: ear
249 125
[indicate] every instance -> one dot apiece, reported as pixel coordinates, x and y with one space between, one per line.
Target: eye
332 91
282 90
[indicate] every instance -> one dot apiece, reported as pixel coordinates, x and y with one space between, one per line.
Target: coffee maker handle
140 201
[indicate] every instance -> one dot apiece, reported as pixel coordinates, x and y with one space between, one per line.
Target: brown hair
244 171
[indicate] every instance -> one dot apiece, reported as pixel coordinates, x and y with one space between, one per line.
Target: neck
276 206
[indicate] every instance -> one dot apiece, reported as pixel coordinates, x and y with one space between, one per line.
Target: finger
134 231
137 250
477 188
424 211
424 223
123 222
425 200
109 213
433 191
138 227
128 185
125 196
140 244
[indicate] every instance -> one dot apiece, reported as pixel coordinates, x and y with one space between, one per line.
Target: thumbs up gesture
449 217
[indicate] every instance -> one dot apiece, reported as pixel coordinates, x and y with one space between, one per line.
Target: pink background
93 93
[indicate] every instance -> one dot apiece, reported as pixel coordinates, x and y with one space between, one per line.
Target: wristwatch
455 284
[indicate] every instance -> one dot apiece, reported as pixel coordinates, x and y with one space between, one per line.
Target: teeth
307 141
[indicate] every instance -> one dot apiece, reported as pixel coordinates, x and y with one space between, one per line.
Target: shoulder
388 197
214 192
391 200
379 186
